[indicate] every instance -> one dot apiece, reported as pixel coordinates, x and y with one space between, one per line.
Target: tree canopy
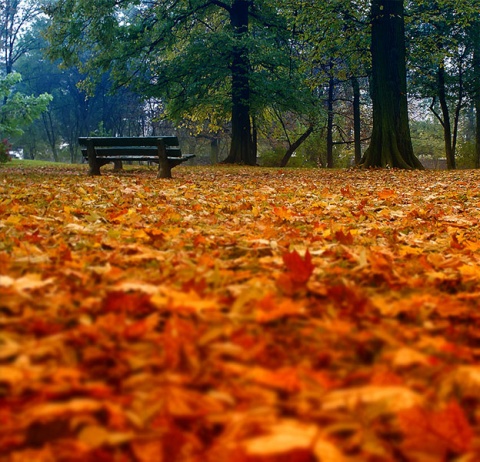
208 60
17 109
278 79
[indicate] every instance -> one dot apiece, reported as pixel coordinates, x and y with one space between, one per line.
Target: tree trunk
50 132
295 146
214 150
391 144
356 121
447 129
476 73
450 137
242 149
330 115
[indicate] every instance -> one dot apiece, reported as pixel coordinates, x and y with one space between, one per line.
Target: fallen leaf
436 431
394 398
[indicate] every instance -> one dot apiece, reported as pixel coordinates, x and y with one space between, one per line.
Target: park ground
239 314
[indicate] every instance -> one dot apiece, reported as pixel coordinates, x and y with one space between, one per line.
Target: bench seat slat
133 151
144 158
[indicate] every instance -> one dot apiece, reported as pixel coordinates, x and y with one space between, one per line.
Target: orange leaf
386 193
346 191
283 212
271 309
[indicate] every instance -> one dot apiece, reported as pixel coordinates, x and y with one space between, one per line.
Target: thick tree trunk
476 71
391 144
356 121
242 149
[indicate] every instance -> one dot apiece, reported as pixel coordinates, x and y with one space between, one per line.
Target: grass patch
27 163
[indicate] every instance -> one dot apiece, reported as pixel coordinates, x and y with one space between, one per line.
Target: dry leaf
394 398
174 321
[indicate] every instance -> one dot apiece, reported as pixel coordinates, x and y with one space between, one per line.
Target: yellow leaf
408 250
405 357
394 398
93 435
53 409
289 435
386 193
13 220
465 379
11 375
470 271
28 282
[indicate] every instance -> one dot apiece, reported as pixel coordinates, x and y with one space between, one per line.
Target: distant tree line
289 82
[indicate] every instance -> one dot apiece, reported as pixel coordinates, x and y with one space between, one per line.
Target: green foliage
333 36
272 158
18 110
438 36
427 138
179 52
466 155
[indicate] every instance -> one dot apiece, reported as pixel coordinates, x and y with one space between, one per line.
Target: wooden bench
163 150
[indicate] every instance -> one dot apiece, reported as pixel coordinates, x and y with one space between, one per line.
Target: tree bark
242 150
356 121
164 167
476 73
295 146
391 144
214 150
50 132
450 136
330 116
447 130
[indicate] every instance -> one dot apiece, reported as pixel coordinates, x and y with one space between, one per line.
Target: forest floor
239 315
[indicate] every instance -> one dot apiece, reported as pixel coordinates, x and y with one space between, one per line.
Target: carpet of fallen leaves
239 315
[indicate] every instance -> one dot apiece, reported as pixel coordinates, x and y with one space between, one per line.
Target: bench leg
117 166
164 168
92 160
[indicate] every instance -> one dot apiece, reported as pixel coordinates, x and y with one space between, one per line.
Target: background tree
391 144
441 55
305 69
195 55
333 47
16 17
72 112
475 35
18 109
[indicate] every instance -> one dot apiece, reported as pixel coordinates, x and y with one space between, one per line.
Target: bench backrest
108 144
129 141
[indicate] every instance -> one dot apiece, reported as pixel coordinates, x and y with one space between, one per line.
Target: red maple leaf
299 269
